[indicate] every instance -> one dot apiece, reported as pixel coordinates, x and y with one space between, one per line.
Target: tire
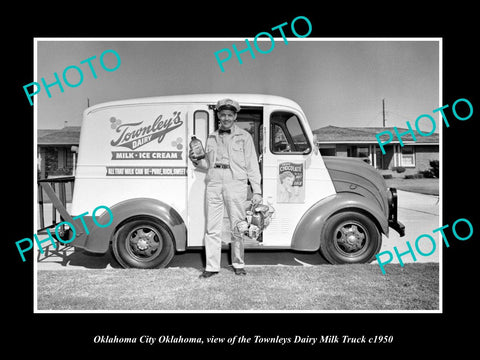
350 238
143 243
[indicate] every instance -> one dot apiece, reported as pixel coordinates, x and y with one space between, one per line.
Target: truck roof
251 99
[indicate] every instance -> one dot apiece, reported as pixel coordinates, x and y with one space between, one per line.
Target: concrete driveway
419 213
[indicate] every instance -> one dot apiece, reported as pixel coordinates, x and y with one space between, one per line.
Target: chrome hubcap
144 243
351 238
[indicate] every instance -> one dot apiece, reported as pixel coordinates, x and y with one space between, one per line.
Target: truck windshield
287 134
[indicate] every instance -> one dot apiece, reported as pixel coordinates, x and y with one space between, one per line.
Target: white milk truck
133 159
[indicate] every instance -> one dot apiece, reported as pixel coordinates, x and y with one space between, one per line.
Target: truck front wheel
350 237
143 243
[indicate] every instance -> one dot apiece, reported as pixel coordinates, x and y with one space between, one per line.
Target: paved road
419 213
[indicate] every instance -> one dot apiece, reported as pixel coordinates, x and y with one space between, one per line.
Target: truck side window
200 125
287 134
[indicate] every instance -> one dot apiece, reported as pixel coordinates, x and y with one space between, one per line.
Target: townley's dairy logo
134 135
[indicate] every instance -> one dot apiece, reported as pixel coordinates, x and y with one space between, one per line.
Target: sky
336 82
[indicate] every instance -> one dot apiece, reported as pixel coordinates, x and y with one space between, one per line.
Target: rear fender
98 239
307 233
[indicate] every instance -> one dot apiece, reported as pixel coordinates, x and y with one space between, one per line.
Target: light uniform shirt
222 148
238 151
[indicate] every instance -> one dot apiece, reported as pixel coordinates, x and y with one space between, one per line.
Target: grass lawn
324 287
423 186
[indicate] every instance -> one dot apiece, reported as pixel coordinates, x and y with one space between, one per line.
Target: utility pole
383 106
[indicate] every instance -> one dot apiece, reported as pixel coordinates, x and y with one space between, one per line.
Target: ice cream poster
290 182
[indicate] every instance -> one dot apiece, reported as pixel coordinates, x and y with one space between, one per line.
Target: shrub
414 176
433 171
428 173
399 169
434 167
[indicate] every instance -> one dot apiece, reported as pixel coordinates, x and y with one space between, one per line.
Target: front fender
307 233
98 239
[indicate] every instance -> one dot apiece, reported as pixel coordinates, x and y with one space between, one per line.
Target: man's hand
256 199
191 155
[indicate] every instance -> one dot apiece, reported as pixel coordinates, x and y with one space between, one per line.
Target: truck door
291 173
199 125
250 119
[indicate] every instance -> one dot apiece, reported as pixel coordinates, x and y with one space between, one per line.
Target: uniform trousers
224 192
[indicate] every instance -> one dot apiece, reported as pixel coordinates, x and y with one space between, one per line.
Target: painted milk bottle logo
134 135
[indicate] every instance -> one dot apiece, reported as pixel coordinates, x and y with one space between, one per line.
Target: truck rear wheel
143 243
350 237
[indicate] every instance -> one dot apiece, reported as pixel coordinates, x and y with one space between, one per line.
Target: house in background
56 151
360 142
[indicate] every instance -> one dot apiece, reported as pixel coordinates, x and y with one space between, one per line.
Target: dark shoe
207 274
240 271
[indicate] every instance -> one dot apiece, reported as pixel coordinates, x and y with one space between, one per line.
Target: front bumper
393 211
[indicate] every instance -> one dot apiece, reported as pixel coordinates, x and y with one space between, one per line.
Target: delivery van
133 159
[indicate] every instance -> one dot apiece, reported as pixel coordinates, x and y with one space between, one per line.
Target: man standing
231 162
